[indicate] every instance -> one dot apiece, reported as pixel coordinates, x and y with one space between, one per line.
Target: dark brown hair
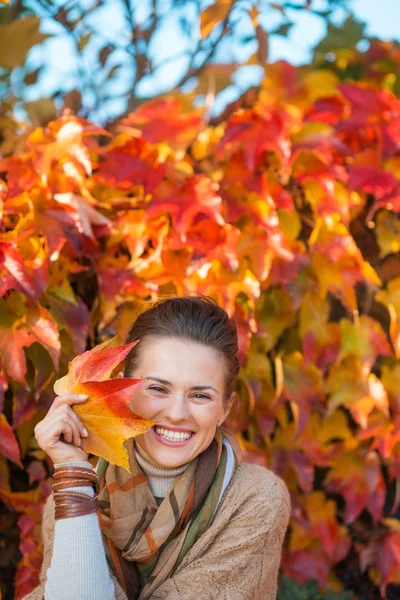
197 318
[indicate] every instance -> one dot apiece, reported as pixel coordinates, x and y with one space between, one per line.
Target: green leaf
283 29
347 35
4 12
309 590
16 39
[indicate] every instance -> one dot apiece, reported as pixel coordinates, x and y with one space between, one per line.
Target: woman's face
183 392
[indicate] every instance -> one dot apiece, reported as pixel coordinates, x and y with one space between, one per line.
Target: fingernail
82 396
85 431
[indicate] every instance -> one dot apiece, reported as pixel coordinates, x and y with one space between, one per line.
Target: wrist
69 502
73 463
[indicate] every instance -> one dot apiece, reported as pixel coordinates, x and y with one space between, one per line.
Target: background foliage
284 208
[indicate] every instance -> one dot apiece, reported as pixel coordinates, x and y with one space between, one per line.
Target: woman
192 522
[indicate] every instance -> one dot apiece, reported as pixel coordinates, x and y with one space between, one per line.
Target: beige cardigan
237 558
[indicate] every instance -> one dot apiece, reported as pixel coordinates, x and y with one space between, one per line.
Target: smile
171 438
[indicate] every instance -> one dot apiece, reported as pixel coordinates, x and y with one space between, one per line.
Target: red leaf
8 442
196 195
178 129
11 261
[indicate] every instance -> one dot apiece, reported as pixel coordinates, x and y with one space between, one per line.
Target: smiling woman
190 520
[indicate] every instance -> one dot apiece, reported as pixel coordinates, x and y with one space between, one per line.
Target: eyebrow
194 387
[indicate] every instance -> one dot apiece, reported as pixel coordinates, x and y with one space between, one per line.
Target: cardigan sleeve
48 531
242 562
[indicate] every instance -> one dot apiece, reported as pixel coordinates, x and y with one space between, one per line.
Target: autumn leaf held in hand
106 414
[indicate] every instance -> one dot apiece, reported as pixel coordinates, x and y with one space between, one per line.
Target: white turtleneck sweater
78 566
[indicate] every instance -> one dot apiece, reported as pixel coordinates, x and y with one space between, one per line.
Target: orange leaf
106 414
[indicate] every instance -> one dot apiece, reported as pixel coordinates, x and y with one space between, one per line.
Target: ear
229 405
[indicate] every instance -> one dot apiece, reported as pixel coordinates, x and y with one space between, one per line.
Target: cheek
142 405
206 419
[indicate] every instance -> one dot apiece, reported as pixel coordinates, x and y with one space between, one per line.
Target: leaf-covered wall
285 211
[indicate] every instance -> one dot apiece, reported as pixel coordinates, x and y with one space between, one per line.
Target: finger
65 429
66 412
68 399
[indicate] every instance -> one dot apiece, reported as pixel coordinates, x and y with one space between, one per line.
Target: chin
171 459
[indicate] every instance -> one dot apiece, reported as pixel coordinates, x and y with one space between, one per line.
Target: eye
161 390
202 396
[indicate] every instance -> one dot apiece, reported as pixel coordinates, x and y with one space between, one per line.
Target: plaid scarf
145 543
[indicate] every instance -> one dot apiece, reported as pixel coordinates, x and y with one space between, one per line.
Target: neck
160 479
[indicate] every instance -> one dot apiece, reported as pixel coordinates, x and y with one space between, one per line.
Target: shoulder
260 483
256 477
256 490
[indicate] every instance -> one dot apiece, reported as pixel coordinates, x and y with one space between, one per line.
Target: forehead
180 361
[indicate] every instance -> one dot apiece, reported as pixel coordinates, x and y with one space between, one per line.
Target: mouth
170 438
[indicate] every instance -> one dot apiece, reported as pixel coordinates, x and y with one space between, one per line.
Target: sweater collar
160 480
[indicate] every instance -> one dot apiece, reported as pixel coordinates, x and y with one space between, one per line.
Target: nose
177 409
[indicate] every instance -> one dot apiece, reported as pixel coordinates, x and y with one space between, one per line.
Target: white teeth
173 435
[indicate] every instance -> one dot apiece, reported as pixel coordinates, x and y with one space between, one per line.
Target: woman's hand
61 419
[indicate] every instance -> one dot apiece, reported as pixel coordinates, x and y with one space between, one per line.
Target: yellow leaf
212 15
387 233
393 524
321 84
350 386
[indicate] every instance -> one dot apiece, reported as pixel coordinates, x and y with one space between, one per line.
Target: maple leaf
351 385
317 539
8 443
327 110
21 174
387 228
82 213
63 139
367 102
17 276
178 130
386 439
302 386
106 413
320 338
255 132
212 15
390 297
390 377
357 476
22 324
337 262
131 163
364 339
196 195
383 553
